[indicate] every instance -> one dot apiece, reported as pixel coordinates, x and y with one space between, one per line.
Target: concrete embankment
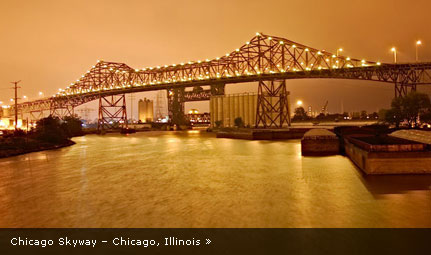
262 134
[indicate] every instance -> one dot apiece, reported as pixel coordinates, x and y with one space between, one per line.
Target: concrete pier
391 158
320 142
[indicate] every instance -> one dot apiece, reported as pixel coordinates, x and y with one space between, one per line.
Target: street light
418 43
299 102
394 50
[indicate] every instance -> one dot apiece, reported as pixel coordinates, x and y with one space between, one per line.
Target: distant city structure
198 118
161 111
146 110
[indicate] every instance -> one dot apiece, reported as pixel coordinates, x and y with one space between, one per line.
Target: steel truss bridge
268 60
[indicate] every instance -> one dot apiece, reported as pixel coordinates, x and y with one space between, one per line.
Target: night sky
49 44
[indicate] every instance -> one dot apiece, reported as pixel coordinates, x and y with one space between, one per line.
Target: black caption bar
215 241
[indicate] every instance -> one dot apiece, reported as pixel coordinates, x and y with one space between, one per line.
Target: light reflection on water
191 179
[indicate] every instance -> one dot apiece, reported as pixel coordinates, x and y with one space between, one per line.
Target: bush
238 122
218 123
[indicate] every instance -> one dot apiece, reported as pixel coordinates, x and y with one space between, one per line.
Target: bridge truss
262 59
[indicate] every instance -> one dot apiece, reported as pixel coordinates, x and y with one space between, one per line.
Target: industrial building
146 110
227 108
198 118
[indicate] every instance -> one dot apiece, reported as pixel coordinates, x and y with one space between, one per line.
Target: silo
215 110
142 111
246 109
231 110
212 111
236 107
241 106
254 105
220 108
226 119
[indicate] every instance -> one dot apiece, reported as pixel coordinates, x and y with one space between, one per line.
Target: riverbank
18 146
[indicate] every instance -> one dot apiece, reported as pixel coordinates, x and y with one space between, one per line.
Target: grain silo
225 109
146 110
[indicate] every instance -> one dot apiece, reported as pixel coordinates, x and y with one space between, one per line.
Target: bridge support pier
273 110
402 90
112 112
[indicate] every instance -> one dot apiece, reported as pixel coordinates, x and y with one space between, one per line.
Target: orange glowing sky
49 44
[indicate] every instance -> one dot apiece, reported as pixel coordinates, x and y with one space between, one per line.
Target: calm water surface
191 179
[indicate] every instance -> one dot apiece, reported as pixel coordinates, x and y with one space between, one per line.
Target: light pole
418 43
394 50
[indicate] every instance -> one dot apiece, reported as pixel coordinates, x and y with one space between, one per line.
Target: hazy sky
49 44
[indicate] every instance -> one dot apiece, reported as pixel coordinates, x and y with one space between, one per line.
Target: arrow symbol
208 241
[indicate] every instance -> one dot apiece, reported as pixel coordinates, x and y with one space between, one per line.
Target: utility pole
16 102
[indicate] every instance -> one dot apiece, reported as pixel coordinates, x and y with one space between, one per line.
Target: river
192 179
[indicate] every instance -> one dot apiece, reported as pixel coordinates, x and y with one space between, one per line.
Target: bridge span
268 60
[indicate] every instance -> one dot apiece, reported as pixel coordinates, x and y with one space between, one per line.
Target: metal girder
272 105
264 57
112 112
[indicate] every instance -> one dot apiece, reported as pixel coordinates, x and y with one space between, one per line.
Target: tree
410 108
414 105
239 122
363 115
49 130
300 114
72 126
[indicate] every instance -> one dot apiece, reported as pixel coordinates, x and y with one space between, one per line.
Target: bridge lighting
98 61
136 70
418 43
378 63
327 60
270 38
319 53
339 50
306 49
334 56
348 58
281 42
257 34
363 61
237 49
293 46
299 102
227 54
394 50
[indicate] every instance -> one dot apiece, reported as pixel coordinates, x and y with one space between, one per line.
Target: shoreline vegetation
50 133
